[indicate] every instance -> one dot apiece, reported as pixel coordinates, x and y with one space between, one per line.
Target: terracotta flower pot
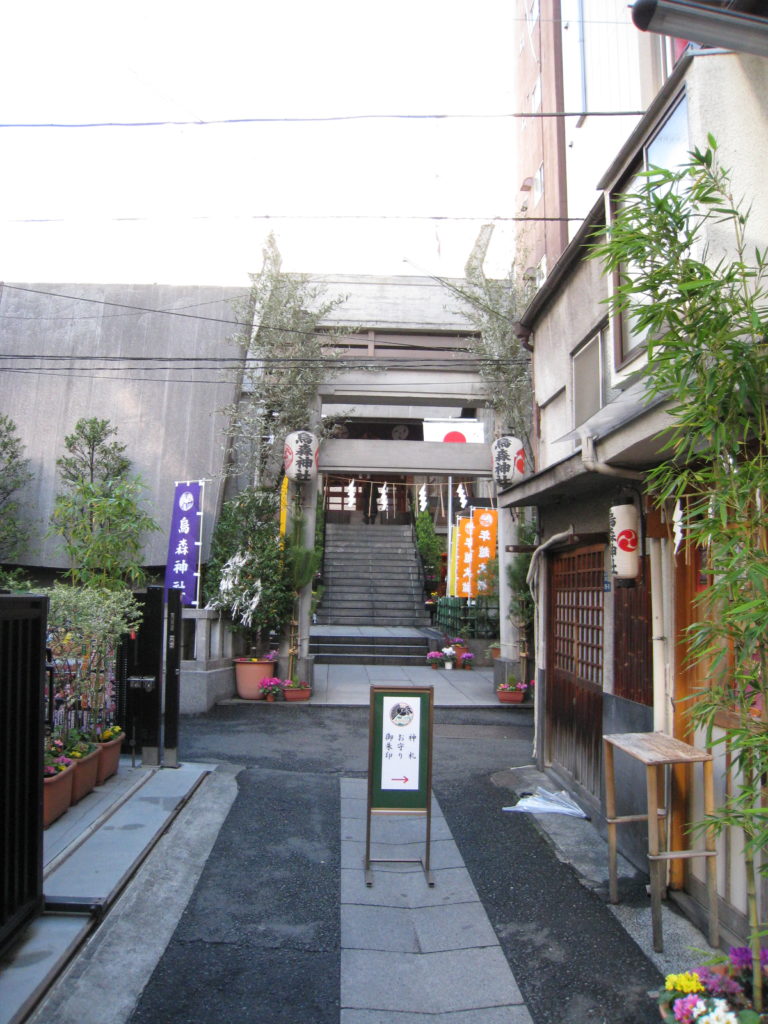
510 696
248 676
297 693
109 759
57 795
85 770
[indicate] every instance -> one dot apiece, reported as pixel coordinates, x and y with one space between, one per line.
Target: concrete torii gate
354 457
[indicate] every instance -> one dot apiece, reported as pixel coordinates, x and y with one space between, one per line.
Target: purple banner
182 571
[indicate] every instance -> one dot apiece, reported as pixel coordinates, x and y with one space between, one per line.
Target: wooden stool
657 751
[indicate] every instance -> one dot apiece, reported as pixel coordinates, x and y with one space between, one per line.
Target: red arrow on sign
404 779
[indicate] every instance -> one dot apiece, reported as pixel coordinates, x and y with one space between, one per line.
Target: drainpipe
594 465
658 639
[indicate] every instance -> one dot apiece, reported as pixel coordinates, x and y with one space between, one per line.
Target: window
535 95
538 185
587 379
668 147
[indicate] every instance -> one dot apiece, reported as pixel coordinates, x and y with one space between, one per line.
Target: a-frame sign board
400 763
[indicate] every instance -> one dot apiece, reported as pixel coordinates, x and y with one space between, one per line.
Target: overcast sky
186 203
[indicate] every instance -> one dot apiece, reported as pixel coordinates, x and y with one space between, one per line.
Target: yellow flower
688 982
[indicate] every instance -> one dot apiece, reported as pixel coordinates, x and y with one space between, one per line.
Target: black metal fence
476 619
22 681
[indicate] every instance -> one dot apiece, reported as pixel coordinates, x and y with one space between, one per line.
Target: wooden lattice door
574 704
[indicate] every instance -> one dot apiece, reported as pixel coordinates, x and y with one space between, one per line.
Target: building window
535 95
538 185
587 379
668 147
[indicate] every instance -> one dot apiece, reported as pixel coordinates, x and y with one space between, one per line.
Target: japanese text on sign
401 725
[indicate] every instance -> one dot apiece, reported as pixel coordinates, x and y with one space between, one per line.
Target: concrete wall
82 350
168 416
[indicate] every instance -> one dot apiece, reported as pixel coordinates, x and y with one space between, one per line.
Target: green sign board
400 749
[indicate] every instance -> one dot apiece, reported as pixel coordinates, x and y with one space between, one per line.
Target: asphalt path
259 940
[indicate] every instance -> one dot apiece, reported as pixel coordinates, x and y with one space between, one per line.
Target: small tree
99 513
690 279
493 306
14 474
247 575
285 356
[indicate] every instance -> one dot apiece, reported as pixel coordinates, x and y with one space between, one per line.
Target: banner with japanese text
182 570
485 534
466 574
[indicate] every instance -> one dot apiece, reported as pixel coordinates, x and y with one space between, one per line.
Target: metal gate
22 679
574 702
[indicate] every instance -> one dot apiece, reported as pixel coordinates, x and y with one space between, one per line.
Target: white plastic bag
544 802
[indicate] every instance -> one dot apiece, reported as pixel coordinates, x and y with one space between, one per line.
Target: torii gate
339 456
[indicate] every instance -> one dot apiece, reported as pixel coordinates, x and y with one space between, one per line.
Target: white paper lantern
625 542
508 459
300 456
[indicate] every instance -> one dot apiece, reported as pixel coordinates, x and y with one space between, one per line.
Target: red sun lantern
300 456
625 541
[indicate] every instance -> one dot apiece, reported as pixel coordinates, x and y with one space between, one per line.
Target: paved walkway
409 953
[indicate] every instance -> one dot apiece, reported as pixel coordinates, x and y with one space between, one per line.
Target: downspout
591 462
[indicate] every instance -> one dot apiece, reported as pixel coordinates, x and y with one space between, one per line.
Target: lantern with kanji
300 456
508 459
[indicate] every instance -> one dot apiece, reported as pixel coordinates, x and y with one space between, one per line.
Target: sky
191 203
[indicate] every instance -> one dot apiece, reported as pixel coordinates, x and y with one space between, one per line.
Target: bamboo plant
690 277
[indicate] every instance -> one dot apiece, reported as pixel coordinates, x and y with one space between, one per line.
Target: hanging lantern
508 459
300 456
625 543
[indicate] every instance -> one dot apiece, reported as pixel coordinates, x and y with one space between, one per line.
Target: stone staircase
372 577
373 584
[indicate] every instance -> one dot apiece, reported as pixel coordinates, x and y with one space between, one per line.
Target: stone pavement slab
411 951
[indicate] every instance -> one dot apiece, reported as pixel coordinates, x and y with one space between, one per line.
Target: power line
300 216
326 119
326 334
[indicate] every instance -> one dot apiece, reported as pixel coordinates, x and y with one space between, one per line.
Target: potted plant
459 645
720 991
272 688
295 690
110 744
435 658
249 578
249 672
84 754
449 656
512 692
466 660
493 650
57 784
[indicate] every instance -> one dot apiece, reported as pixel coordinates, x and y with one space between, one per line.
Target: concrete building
161 365
608 657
